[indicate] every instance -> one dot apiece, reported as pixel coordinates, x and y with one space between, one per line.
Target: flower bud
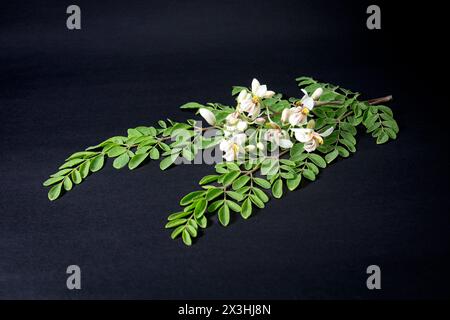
285 115
311 124
260 120
273 125
260 145
317 93
250 147
208 116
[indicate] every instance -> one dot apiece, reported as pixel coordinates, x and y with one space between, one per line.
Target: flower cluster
251 112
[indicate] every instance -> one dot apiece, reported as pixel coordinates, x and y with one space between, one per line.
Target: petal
269 94
310 146
224 145
255 85
208 116
229 155
285 115
240 138
327 132
286 143
308 102
295 118
241 126
303 135
242 95
261 91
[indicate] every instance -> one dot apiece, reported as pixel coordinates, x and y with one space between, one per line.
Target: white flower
234 124
298 115
233 146
208 116
278 137
310 138
250 102
295 116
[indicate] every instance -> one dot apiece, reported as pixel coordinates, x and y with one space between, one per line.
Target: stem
379 100
370 101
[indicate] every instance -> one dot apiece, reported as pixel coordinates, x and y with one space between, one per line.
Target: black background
135 62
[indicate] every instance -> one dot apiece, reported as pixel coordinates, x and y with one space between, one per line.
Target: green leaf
296 150
246 209
202 222
331 156
76 177
382 138
235 195
186 237
229 177
162 124
116 151
84 168
133 133
53 180
71 163
67 183
342 151
262 183
292 184
62 172
192 105
175 223
277 188
176 232
308 174
192 231
237 89
240 182
55 191
137 160
97 163
178 215
121 161
311 166
154 154
260 194
200 208
232 166
213 193
224 215
81 154
257 201
190 197
167 162
208 179
318 160
233 206
215 205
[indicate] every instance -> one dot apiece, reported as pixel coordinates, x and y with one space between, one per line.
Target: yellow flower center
319 139
235 148
305 111
255 99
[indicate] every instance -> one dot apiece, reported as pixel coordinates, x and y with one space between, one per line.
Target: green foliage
236 188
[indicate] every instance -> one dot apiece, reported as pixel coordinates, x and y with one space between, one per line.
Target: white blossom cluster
251 112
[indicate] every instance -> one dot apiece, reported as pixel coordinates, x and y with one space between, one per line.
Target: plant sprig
291 140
